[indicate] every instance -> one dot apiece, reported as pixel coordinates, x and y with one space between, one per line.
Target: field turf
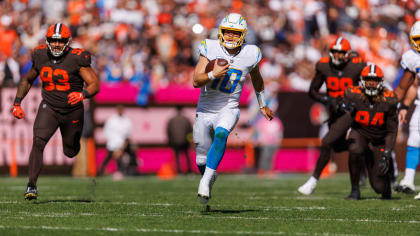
241 205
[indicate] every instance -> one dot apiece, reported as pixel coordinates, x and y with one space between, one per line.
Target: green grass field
241 205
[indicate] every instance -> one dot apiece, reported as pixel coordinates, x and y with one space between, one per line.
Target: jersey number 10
233 75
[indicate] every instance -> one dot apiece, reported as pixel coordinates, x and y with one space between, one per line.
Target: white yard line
68 214
174 231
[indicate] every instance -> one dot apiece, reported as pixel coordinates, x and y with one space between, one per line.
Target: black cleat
404 189
386 196
354 195
31 192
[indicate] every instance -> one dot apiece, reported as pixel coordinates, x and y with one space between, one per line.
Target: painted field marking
174 231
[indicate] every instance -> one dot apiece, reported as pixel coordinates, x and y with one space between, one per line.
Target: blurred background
144 52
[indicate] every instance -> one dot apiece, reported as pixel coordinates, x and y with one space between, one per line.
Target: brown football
220 62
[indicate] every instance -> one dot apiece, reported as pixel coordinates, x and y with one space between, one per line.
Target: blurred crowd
153 43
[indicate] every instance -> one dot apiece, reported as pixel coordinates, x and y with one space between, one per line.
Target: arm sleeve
391 126
316 84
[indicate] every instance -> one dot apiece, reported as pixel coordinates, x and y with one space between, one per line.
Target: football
220 62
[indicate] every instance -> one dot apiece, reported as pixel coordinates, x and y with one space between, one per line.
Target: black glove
345 107
327 100
385 162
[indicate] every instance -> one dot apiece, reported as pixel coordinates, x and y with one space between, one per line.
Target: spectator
179 132
117 131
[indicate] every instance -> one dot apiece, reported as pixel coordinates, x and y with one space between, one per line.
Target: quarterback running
217 109
408 85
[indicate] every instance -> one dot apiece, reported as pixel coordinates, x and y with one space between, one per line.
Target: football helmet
234 22
341 46
415 36
371 73
58 32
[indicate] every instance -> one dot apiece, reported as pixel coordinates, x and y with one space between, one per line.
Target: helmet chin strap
372 91
58 54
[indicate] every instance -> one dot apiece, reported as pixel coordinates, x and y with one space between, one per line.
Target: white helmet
415 36
235 22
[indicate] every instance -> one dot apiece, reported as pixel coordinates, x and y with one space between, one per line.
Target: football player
339 71
221 88
408 85
63 71
371 113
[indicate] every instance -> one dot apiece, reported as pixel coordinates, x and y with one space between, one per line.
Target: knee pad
220 136
201 160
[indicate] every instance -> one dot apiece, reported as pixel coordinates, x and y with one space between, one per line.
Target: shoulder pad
39 48
83 56
357 60
389 94
42 46
355 89
324 60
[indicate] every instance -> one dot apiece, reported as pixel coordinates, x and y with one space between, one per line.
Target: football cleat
204 191
307 188
405 187
354 195
417 197
31 192
212 180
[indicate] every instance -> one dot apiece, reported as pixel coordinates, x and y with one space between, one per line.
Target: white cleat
212 180
417 197
406 187
307 188
203 191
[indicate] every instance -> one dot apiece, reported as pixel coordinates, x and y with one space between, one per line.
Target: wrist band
261 99
86 94
402 106
17 101
211 76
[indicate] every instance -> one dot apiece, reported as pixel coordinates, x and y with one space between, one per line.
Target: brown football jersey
338 80
376 120
60 77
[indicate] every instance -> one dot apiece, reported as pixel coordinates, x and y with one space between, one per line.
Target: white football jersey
226 92
411 61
